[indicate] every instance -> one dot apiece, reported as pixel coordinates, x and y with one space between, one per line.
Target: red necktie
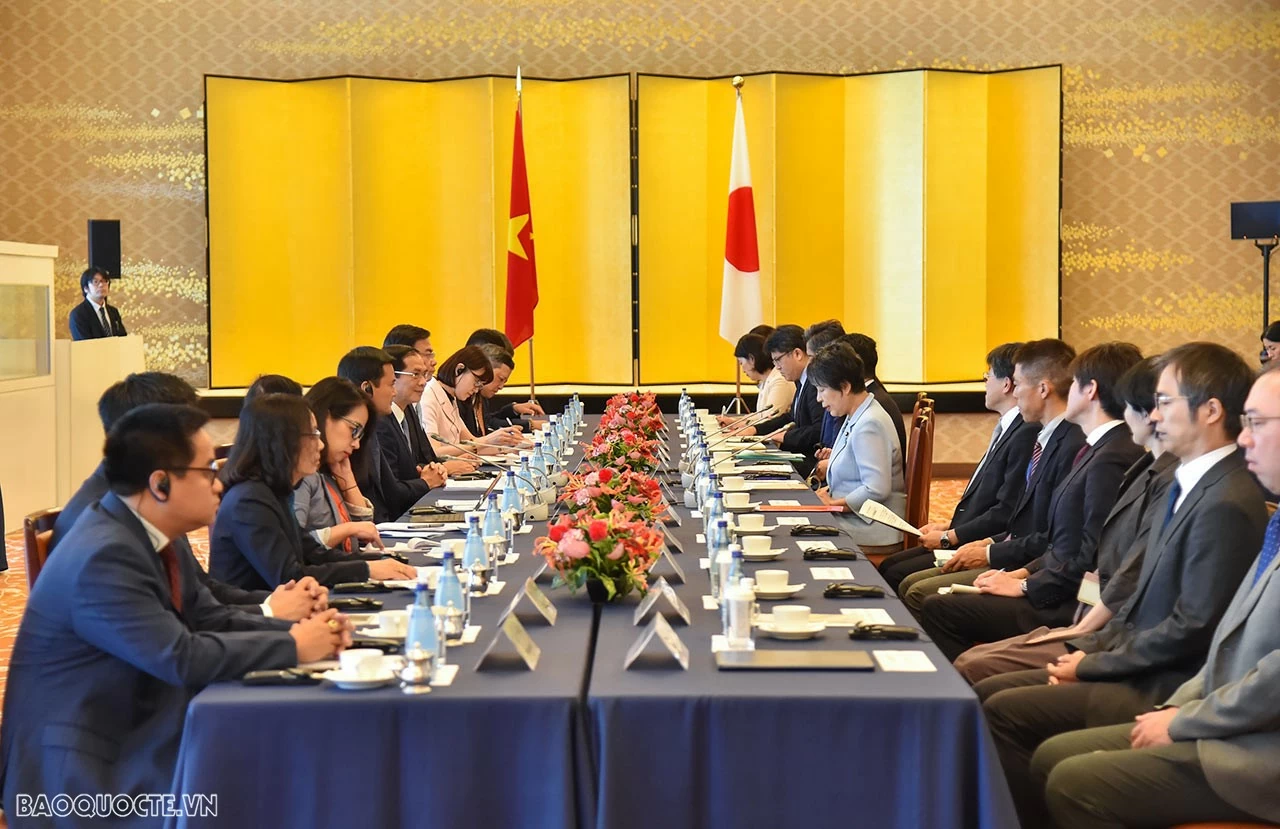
1079 456
170 559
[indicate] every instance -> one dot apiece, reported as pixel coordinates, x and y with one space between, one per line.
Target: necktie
1035 460
1270 544
995 438
102 315
404 427
1079 456
1174 492
169 558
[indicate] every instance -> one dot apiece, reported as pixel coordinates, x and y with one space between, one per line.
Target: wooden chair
923 401
37 532
221 451
919 473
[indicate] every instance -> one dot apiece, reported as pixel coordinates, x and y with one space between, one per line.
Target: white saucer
748 508
735 489
766 528
379 633
809 631
773 595
347 682
769 555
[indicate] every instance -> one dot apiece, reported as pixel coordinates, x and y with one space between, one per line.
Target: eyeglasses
211 470
314 433
1252 422
416 375
1163 400
357 428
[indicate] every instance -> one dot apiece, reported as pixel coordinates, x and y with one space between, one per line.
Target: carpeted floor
13 583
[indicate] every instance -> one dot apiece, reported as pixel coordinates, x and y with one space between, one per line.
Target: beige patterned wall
1170 113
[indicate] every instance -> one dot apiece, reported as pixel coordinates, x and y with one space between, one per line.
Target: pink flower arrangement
615 548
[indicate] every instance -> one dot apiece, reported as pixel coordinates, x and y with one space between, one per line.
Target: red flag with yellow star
522 272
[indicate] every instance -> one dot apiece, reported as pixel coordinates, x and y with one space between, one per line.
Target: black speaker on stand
104 245
1259 221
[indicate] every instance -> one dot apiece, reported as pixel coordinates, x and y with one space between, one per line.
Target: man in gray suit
1212 751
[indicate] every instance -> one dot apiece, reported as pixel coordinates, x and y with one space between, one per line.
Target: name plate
671 516
666 635
536 597
515 634
672 542
676 572
662 592
543 572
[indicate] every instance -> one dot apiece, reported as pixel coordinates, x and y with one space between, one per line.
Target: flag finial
738 81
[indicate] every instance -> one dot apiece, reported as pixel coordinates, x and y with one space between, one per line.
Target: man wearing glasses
94 318
400 437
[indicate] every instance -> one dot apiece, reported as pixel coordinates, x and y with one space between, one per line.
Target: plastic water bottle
473 551
449 588
539 461
730 573
713 511
511 494
492 517
422 622
717 547
737 615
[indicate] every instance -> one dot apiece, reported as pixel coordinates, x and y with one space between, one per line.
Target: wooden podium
83 370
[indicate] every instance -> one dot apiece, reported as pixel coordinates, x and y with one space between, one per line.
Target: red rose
597 529
555 533
606 475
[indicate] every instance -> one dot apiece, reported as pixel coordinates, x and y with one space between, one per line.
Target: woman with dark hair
1270 343
256 542
273 384
457 378
866 461
329 503
775 390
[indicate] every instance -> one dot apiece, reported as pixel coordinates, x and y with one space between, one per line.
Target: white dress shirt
1189 473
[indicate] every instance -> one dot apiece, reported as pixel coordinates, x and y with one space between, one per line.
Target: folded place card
909 661
530 591
666 558
831 573
661 593
665 634
704 564
793 521
514 633
672 541
543 572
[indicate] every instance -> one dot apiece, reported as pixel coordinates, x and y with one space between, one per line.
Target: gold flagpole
739 406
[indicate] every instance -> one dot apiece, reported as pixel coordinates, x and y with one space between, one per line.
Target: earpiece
161 491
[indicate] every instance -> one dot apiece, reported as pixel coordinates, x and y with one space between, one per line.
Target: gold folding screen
919 207
341 207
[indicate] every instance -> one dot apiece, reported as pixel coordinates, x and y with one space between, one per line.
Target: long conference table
581 742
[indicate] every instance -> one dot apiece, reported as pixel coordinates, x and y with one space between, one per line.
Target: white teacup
365 663
771 581
393 622
735 482
756 544
790 616
723 467
751 521
737 499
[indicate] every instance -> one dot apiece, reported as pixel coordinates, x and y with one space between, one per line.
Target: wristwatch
1024 587
945 543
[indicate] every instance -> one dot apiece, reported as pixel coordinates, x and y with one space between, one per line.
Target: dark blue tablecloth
703 748
498 748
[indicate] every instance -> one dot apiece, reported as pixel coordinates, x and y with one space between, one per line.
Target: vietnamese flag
740 298
522 272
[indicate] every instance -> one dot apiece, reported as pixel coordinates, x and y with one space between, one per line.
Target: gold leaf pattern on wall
1202 34
1197 309
1080 258
185 168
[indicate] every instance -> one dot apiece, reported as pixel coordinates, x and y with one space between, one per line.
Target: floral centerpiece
634 411
610 553
604 490
624 448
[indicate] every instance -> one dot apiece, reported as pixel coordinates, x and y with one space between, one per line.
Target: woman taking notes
865 462
457 378
775 390
328 503
256 542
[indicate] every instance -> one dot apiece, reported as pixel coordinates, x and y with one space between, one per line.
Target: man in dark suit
497 347
289 601
117 639
94 318
1042 589
1042 381
786 348
1211 752
1208 525
817 336
997 482
865 348
400 436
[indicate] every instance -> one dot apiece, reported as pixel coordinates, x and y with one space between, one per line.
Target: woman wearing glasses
256 543
457 379
328 503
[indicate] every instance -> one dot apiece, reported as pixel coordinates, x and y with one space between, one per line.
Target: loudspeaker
104 245
1255 219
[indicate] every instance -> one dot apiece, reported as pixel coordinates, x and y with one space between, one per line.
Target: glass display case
25 337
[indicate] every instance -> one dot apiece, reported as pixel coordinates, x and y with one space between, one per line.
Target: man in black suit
509 414
996 484
400 437
116 640
94 318
295 600
1042 381
1204 537
786 348
1042 590
419 339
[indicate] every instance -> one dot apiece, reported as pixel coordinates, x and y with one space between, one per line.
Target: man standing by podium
94 318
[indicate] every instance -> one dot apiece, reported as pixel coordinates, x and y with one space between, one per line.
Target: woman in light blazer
866 462
458 378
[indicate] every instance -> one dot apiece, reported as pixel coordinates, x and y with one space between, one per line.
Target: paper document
875 511
911 661
867 615
467 486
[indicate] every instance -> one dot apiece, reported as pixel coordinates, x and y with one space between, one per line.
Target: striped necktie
1035 461
1270 544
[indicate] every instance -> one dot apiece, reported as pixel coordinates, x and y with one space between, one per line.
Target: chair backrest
222 451
923 401
919 472
37 532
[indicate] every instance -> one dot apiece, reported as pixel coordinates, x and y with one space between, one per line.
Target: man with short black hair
817 336
498 341
866 350
787 350
94 319
400 437
417 338
117 639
